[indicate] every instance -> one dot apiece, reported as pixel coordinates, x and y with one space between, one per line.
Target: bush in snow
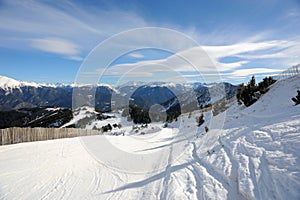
297 98
200 120
106 128
117 125
206 129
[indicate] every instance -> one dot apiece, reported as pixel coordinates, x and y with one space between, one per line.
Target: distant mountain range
20 94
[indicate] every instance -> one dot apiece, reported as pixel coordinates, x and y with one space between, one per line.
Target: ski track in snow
255 156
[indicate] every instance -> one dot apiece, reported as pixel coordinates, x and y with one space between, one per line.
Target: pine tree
200 120
246 94
252 83
251 92
240 90
139 115
263 86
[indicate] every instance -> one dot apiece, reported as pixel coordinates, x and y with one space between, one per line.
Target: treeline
35 117
249 93
140 115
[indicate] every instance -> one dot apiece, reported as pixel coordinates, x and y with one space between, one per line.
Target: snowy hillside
255 155
261 146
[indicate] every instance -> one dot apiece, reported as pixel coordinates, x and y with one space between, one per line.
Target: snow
254 154
109 87
53 109
80 113
9 84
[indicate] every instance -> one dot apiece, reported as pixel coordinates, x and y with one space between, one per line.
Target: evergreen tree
251 92
263 86
200 120
139 115
252 83
297 98
240 90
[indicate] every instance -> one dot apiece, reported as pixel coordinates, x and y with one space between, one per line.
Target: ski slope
255 155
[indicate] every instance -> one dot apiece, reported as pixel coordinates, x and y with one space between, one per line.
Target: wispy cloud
136 55
75 58
208 61
292 13
245 47
253 71
20 21
57 46
71 30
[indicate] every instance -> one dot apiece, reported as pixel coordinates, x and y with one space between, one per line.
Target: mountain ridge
20 94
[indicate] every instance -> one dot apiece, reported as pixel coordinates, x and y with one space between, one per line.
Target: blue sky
47 41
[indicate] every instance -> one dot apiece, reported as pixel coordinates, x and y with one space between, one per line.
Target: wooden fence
17 135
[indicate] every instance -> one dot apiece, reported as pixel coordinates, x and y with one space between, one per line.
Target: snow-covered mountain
9 83
19 94
255 155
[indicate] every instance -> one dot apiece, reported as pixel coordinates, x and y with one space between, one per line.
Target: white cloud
240 48
57 46
253 71
208 58
230 66
136 55
293 13
20 21
208 61
76 58
57 27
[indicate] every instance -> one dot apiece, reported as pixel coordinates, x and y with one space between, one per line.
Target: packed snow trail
254 156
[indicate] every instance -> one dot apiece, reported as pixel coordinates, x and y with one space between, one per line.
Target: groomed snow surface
254 156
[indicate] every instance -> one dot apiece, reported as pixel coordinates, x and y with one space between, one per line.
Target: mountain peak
9 83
